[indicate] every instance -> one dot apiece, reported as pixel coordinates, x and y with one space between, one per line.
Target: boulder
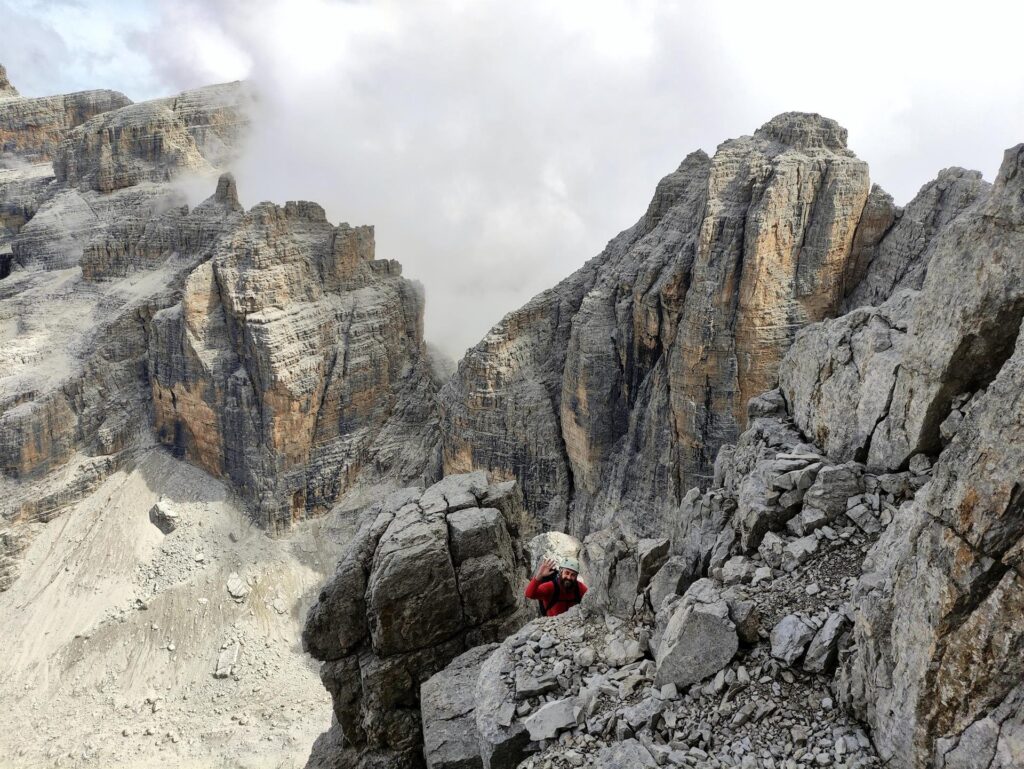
447 710
738 570
412 578
476 532
799 552
790 637
833 485
772 548
671 579
699 639
822 651
628 754
502 739
164 517
651 556
839 375
553 544
415 557
551 718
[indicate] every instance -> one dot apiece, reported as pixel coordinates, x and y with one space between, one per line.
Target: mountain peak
804 130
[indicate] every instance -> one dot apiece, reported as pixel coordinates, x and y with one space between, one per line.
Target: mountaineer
557 592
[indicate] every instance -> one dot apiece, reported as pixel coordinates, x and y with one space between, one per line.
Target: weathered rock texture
268 346
429 575
908 360
32 129
610 394
294 361
7 90
893 246
756 556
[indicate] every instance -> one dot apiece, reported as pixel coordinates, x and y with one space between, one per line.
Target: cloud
496 146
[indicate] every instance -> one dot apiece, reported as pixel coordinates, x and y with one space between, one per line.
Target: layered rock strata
268 346
294 362
430 574
611 393
32 129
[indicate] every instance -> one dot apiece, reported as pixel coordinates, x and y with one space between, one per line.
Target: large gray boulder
447 702
838 376
426 577
698 639
790 637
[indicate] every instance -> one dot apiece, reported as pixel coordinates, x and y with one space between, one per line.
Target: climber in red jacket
559 592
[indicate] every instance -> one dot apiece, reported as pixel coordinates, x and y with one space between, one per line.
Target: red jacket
543 591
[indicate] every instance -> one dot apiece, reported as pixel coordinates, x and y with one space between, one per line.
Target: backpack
542 608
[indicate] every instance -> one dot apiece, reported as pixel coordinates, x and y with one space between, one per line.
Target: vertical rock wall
611 393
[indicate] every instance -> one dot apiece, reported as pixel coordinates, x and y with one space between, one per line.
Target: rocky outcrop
32 129
937 633
294 362
693 684
7 91
911 360
453 553
155 141
839 377
939 627
269 346
611 393
893 246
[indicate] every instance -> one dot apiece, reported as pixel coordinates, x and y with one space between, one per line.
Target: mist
497 146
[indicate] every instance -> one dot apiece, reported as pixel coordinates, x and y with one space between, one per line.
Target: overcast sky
497 145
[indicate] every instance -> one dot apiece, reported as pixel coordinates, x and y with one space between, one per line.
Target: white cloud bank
497 145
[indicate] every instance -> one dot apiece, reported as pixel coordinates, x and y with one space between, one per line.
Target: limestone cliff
294 362
610 394
268 346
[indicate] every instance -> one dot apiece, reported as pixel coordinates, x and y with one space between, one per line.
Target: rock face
908 360
937 624
32 129
293 362
939 629
429 574
893 246
7 91
447 702
766 565
267 346
611 393
699 639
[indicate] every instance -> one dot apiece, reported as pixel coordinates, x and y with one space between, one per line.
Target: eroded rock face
896 244
839 376
7 91
33 129
940 621
269 346
294 361
611 393
429 575
885 379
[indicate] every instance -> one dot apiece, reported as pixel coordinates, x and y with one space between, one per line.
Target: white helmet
571 564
